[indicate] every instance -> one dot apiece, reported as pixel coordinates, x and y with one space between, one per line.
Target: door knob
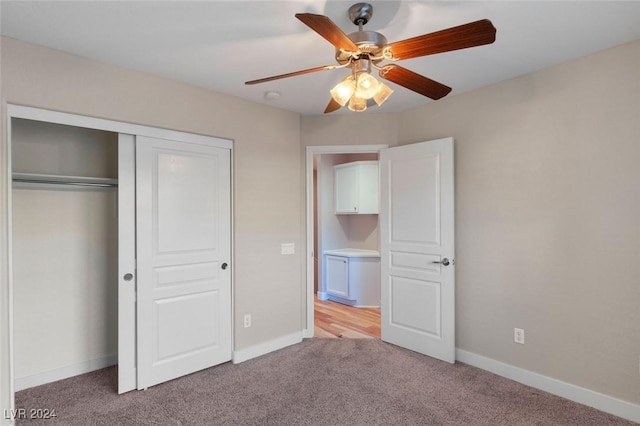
128 277
444 261
224 266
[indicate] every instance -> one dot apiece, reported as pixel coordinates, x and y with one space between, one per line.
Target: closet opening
345 247
64 216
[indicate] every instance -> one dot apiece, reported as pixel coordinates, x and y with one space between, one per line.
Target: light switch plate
288 248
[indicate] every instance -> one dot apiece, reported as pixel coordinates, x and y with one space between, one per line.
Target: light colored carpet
317 382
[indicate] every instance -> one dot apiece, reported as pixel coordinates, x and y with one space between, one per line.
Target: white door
126 263
417 247
183 251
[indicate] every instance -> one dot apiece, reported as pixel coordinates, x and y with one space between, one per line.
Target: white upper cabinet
356 188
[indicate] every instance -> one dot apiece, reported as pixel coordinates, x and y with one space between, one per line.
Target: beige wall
349 129
547 210
267 180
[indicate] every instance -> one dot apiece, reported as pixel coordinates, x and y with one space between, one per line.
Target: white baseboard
608 404
64 372
266 347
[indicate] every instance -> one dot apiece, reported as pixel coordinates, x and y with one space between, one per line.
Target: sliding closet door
183 251
126 263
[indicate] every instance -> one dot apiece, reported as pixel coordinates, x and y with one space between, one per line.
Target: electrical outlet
247 321
518 335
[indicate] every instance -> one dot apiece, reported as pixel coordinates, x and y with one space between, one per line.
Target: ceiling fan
362 51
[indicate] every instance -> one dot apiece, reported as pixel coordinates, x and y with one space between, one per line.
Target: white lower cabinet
337 275
352 277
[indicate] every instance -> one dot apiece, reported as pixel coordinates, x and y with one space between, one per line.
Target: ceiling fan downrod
360 14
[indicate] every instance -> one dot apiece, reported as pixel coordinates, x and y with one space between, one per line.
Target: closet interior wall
65 243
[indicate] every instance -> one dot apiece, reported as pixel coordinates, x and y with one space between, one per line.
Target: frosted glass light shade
343 91
357 104
382 94
367 86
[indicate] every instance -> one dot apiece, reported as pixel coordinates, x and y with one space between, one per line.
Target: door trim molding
307 331
49 116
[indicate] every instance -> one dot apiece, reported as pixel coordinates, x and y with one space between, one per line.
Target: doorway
325 230
416 243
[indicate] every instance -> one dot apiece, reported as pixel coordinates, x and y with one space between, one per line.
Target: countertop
352 252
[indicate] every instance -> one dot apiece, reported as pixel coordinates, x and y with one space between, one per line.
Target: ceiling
221 44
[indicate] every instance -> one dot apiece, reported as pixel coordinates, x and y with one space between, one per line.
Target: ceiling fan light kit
360 84
362 51
343 91
357 104
382 94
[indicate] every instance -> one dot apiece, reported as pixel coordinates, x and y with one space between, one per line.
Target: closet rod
33 178
58 182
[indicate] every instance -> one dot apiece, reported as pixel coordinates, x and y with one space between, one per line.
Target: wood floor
334 320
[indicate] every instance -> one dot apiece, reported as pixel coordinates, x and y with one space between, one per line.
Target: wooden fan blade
413 81
333 106
292 74
461 37
327 29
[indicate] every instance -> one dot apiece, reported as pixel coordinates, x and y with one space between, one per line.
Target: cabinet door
337 278
346 189
368 192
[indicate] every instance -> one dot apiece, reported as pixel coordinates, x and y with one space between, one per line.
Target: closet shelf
39 179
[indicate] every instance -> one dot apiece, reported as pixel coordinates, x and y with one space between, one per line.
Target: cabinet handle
355 209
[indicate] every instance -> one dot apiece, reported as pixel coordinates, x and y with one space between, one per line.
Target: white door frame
311 151
49 116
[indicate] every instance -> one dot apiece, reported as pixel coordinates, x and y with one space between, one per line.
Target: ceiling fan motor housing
369 43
